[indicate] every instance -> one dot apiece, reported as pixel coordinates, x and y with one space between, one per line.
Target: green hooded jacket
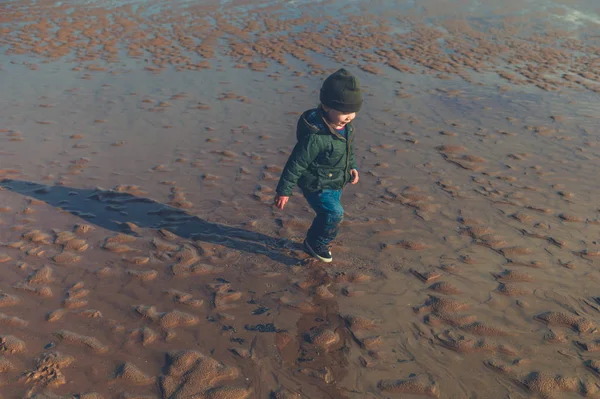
321 159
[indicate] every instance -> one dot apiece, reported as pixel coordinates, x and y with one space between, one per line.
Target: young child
322 161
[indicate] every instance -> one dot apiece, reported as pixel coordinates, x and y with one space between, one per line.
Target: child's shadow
110 209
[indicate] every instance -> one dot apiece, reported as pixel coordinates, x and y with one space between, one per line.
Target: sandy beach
142 256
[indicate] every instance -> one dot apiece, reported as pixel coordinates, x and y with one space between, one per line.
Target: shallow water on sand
142 257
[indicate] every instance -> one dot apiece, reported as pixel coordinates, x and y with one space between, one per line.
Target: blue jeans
326 203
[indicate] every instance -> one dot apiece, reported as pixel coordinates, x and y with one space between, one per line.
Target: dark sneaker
320 252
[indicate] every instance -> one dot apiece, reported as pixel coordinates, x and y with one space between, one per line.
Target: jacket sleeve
352 158
303 154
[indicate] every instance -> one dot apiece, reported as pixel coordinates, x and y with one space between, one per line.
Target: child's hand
354 174
281 200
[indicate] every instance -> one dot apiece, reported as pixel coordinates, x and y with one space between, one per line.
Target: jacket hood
311 123
305 127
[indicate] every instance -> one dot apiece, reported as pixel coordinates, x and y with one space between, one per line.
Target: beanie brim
341 106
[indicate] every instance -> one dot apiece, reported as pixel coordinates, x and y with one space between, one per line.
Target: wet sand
142 257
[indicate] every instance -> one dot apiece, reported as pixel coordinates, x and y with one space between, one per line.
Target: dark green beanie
341 91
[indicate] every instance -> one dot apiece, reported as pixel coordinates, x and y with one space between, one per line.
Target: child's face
338 119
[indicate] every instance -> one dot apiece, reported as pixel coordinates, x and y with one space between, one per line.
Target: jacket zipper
349 131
